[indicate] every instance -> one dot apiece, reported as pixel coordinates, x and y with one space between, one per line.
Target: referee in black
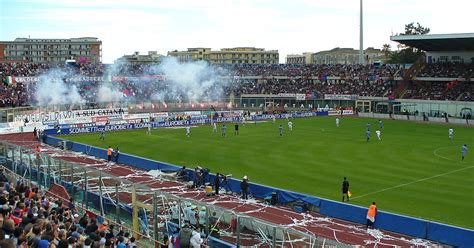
236 129
345 189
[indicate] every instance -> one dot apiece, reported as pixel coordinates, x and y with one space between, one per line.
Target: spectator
185 236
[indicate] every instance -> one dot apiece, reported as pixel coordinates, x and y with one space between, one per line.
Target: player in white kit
337 121
290 125
214 127
451 133
378 134
188 131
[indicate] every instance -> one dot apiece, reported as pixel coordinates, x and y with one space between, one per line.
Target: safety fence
147 212
419 118
411 226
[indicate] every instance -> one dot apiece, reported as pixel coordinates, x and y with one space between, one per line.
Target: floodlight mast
361 36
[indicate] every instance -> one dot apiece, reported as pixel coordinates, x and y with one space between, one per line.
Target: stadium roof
438 42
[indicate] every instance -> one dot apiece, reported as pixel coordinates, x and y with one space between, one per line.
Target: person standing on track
371 214
463 151
217 183
116 154
109 154
244 187
38 154
345 189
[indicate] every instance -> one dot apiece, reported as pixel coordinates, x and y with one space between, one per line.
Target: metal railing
149 213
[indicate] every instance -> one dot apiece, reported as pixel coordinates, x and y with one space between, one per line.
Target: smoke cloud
109 93
51 90
180 82
190 81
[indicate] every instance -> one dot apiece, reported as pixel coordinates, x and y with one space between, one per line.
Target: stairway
408 75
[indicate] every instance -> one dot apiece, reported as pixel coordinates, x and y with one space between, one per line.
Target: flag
349 194
100 219
9 80
90 214
451 84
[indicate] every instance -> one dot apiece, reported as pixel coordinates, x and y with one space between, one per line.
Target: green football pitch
414 170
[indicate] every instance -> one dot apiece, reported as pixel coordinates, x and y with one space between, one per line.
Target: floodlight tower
361 36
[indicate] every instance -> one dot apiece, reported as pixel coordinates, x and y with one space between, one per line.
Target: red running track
314 223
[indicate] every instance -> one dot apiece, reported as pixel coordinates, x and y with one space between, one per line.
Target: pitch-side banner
36 79
340 97
75 129
66 116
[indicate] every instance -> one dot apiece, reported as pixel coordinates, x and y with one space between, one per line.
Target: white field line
413 182
435 152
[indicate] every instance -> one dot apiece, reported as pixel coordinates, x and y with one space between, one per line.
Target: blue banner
71 129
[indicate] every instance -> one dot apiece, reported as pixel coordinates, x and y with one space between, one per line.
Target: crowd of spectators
447 70
376 88
31 219
462 91
289 70
363 80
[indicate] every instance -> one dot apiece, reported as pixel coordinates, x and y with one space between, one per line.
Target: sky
291 27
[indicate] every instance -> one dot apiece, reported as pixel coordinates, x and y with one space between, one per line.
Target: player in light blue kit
224 130
380 124
464 151
368 135
281 130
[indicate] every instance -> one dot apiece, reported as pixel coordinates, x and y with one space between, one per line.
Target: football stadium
233 148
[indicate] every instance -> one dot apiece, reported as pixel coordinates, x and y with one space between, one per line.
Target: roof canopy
438 42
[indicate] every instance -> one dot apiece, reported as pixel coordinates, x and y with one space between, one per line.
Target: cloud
289 26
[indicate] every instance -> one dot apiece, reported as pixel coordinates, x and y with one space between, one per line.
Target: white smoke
52 90
184 82
109 93
189 81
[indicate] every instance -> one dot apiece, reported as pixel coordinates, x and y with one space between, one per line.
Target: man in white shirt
196 239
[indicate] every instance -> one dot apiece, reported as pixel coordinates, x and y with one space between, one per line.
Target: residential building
85 49
237 55
192 54
137 58
347 56
299 59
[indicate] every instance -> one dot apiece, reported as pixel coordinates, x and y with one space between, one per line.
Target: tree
408 55
411 29
386 50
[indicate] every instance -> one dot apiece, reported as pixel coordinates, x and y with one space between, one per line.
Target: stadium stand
367 80
31 218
